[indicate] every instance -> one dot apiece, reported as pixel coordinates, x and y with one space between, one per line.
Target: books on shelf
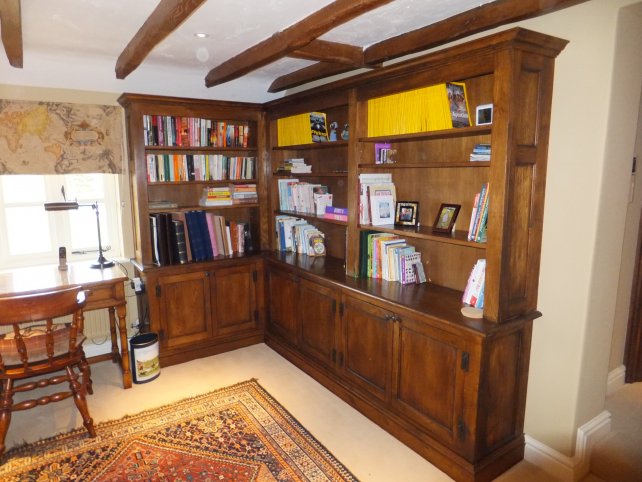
336 213
163 204
216 196
382 185
175 131
474 292
389 257
321 201
294 166
297 235
199 167
196 235
295 195
436 107
302 129
383 153
243 193
479 216
481 152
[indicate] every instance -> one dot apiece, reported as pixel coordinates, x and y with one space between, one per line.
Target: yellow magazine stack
298 129
441 106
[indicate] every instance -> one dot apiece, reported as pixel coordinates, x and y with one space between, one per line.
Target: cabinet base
170 357
442 457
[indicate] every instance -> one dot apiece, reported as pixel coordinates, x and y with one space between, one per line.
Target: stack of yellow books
437 107
302 129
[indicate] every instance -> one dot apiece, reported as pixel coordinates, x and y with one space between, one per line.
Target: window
32 235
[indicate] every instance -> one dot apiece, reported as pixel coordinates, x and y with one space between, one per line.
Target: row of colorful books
303 197
479 216
162 130
474 292
299 236
437 107
199 167
389 257
178 238
229 195
377 199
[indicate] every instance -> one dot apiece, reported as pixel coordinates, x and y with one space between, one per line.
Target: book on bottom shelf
474 292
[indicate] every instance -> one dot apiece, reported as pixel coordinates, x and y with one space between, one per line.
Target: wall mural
60 138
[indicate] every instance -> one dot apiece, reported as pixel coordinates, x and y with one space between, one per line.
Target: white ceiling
75 43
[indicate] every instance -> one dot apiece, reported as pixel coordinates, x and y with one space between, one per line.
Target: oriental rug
239 433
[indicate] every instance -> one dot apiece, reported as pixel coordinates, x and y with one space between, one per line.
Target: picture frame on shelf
484 114
446 217
407 213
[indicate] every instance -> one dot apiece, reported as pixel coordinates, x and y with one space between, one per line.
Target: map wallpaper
60 138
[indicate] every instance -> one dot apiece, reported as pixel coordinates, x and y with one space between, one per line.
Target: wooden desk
106 290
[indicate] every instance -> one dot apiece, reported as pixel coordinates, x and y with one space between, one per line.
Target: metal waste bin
144 354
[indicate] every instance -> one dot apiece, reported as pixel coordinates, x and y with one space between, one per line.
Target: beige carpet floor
367 450
618 458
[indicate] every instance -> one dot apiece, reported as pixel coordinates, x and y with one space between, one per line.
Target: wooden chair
43 348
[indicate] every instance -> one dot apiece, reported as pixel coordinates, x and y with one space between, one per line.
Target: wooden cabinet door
318 321
234 298
184 308
282 298
435 382
366 346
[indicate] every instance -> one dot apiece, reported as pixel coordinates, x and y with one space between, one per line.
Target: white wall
595 106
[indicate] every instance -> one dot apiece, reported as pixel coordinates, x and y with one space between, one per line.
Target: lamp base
100 264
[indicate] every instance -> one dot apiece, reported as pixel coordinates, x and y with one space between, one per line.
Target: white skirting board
563 467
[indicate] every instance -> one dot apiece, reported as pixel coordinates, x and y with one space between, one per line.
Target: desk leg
124 349
115 355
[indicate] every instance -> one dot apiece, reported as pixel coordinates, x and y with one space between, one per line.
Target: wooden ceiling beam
320 70
292 38
479 19
165 18
11 31
325 51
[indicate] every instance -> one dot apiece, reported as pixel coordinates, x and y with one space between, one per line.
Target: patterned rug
238 433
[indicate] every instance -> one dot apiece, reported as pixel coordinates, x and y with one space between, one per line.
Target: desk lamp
101 262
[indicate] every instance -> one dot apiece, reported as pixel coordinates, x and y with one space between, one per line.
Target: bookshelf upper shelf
440 134
432 165
425 232
175 149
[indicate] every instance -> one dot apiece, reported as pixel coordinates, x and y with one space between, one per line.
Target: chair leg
85 369
6 402
81 401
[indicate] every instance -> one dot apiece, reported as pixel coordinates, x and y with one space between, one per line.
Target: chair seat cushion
35 340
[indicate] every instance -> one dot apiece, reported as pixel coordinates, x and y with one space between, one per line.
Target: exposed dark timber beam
325 51
316 71
473 21
11 30
165 18
292 38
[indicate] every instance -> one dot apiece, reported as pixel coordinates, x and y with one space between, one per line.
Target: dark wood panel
234 300
367 346
282 290
318 310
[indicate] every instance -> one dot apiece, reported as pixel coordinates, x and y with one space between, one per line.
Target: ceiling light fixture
201 35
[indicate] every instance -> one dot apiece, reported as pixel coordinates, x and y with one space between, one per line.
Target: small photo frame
484 114
407 213
446 217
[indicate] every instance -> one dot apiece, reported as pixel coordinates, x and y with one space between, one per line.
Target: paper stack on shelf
243 193
376 184
216 196
481 152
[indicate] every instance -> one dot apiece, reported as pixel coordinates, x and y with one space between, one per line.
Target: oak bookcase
199 308
453 388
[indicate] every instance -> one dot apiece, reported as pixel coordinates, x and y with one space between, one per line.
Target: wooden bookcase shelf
404 354
313 217
312 146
